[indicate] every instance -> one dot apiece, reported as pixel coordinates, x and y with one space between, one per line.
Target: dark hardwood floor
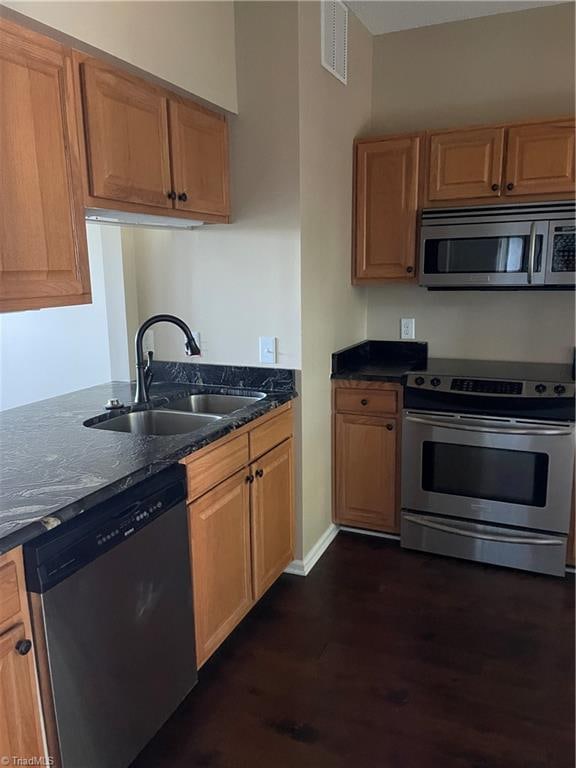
383 658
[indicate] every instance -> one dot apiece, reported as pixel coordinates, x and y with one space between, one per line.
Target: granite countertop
53 468
392 361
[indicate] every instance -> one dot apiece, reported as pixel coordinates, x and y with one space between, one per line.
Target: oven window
515 477
480 255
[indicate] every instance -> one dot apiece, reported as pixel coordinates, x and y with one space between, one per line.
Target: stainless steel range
488 463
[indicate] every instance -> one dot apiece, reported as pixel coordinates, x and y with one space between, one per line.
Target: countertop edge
37 528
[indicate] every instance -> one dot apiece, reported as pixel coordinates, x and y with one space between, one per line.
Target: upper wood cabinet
21 727
540 159
199 158
492 164
386 206
148 150
43 248
126 129
272 510
465 164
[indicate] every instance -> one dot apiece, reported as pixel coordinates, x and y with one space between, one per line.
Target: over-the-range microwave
498 246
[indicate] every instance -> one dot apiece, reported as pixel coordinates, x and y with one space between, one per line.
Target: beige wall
505 67
236 282
190 44
333 313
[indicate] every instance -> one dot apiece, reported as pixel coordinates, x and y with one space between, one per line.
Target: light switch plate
267 349
407 328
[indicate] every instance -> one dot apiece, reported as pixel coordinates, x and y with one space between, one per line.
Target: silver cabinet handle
503 538
494 429
531 252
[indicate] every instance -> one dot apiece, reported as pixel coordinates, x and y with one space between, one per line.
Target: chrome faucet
143 372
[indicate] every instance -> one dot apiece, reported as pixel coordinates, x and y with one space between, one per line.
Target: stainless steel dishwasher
113 618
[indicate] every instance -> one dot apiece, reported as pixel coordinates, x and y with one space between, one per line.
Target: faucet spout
142 381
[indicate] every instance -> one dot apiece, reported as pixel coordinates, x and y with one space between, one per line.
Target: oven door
505 471
484 255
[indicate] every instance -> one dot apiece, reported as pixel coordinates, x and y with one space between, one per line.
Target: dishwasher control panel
67 548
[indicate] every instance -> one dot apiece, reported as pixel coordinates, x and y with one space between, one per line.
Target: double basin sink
178 417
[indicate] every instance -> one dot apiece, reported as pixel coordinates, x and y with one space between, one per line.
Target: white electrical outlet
407 328
267 349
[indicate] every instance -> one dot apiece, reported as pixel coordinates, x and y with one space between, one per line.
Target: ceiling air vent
335 38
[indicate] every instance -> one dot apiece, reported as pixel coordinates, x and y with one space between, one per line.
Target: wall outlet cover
407 328
267 349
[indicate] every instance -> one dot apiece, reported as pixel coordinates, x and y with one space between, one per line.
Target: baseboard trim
303 567
364 532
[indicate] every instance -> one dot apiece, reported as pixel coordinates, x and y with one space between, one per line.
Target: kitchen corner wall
497 68
333 312
239 281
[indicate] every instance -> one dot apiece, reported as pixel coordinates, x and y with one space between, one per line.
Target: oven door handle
503 538
531 252
535 430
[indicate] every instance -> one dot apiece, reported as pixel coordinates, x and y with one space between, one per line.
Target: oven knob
540 388
435 382
419 380
559 389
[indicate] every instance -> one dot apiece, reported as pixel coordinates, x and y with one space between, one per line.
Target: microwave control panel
563 249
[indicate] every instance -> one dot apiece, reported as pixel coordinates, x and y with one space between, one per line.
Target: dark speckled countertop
52 467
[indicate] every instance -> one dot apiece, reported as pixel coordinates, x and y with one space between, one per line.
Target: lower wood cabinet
241 521
220 551
272 507
366 444
21 727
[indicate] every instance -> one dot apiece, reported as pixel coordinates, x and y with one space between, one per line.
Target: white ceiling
381 16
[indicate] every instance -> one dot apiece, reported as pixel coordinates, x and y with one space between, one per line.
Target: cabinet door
465 164
540 159
199 144
272 516
221 571
365 467
385 209
126 132
20 729
43 249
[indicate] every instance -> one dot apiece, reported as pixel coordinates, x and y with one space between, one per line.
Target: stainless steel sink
156 422
213 404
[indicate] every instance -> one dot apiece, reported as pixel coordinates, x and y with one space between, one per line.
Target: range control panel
490 387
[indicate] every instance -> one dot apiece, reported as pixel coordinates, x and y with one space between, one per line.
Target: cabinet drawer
271 433
369 401
9 593
213 467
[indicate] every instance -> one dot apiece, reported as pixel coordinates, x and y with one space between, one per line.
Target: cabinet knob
183 196
364 401
23 647
259 473
249 478
389 427
510 186
171 195
409 270
495 187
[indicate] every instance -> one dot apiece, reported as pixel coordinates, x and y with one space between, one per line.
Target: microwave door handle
531 252
499 430
504 538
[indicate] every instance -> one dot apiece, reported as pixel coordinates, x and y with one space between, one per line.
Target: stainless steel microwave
498 246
